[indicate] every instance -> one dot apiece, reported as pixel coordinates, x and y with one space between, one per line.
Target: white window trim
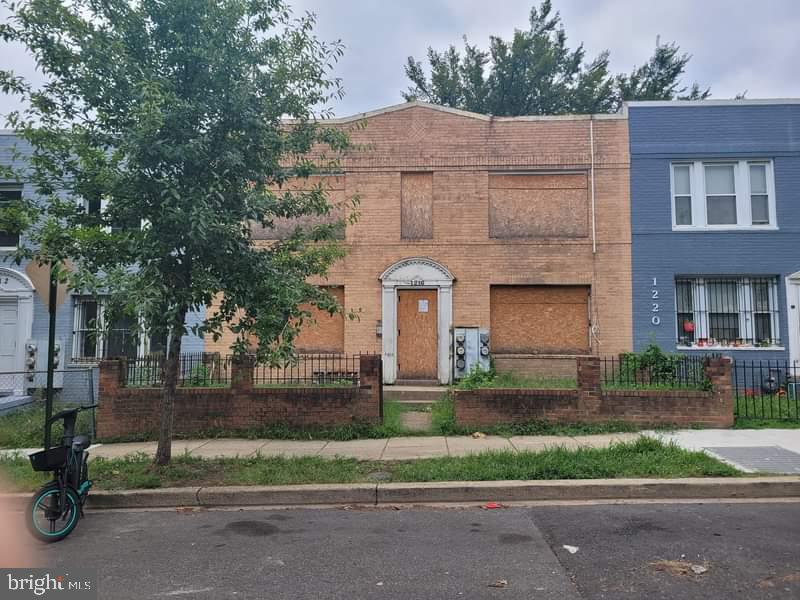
745 299
20 189
142 347
743 204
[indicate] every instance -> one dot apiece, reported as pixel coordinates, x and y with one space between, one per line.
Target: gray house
24 317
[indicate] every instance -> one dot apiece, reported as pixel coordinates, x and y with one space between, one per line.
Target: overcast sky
734 47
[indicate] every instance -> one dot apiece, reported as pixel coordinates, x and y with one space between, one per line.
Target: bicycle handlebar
69 411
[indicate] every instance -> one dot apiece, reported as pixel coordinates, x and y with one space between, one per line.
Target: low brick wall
536 365
124 411
590 403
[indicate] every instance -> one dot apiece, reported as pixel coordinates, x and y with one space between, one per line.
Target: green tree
185 119
660 78
536 73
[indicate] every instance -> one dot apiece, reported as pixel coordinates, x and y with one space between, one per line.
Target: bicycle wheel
45 518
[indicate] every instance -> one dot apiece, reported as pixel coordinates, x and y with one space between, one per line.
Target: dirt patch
680 568
771 582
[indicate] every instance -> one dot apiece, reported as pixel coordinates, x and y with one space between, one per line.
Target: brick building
519 225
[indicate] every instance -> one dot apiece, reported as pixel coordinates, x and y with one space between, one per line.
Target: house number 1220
655 319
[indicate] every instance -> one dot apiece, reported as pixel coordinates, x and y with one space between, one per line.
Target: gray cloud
736 46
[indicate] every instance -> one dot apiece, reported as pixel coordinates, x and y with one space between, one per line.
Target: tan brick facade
463 153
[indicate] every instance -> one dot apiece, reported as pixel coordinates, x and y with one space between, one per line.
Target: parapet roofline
464 113
700 103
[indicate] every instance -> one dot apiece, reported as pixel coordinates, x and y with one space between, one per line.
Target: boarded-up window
326 334
283 228
537 319
538 206
416 215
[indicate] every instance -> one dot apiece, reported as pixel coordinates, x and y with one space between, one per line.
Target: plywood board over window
538 206
326 333
416 214
539 319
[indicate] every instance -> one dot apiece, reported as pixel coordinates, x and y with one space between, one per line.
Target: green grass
513 381
767 411
622 385
645 457
25 428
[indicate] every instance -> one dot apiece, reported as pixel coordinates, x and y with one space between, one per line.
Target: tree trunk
168 386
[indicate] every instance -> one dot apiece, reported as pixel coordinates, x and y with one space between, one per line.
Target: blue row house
715 224
24 315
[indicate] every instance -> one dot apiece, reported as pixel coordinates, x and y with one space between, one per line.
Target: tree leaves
172 114
536 73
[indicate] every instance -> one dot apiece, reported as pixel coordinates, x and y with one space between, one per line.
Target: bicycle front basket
49 460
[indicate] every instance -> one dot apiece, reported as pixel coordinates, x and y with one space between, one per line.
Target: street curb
379 494
453 491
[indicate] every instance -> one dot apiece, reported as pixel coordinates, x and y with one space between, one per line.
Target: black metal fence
311 369
668 372
766 389
198 369
205 369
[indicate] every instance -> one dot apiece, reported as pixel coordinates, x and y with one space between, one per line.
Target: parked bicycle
55 509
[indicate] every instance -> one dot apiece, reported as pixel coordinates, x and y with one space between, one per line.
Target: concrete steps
414 394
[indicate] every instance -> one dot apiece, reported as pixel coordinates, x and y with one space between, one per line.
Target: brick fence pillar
370 384
110 380
242 373
718 371
589 385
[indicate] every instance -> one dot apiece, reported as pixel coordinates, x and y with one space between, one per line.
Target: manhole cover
765 459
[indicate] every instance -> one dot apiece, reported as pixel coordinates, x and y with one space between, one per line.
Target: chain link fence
73 387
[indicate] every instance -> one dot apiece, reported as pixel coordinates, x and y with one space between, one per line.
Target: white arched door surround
16 302
416 273
793 317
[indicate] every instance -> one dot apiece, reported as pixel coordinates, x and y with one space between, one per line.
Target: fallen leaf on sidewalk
570 549
500 583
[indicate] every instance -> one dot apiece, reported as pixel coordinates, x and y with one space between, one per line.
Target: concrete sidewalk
750 450
756 450
397 448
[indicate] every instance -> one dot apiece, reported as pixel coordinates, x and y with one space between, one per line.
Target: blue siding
661 134
64 314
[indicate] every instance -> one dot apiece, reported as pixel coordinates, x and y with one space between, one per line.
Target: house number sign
655 319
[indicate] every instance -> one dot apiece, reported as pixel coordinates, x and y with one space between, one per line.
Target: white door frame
793 316
416 273
17 286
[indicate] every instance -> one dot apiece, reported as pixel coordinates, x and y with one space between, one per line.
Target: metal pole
51 343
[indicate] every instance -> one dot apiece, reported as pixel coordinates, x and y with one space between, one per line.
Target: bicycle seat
80 442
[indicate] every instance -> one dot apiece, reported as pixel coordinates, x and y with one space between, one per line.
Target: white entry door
8 343
793 297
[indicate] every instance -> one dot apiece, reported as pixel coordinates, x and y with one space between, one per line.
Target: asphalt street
615 551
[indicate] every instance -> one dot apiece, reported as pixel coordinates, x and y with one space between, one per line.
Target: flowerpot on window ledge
738 342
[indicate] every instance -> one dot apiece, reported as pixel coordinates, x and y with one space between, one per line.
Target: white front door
793 297
8 344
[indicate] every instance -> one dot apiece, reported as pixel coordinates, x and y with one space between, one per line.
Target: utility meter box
36 369
470 348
